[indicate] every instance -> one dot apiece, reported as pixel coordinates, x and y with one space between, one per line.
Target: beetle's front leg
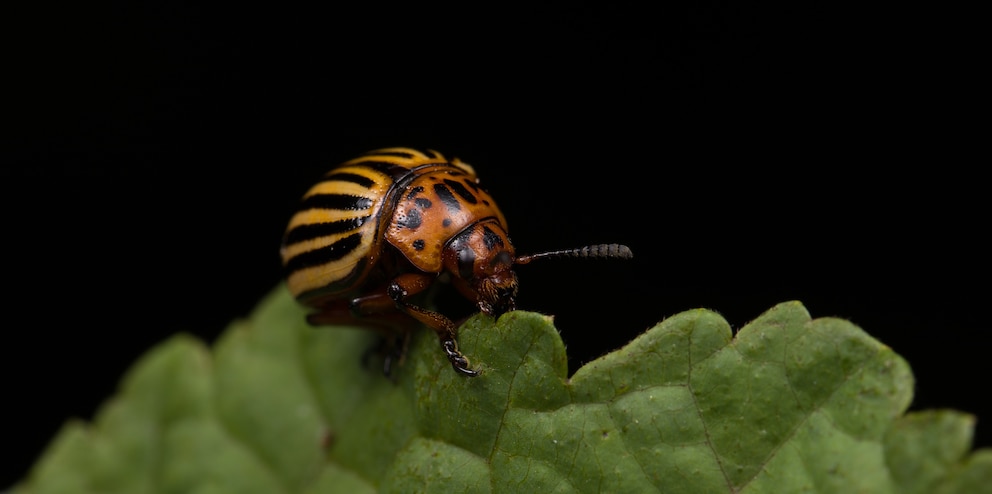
404 286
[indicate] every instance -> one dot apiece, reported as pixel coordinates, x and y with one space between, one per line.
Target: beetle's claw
458 361
461 365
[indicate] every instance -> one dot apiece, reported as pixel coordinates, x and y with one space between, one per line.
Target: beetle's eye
466 263
503 257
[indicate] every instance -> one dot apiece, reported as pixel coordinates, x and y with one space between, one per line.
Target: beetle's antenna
599 251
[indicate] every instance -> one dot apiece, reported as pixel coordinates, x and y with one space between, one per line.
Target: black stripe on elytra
350 177
336 201
325 254
302 233
490 238
447 197
385 167
461 191
398 154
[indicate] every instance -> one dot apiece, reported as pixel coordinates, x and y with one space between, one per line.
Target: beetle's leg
395 353
376 312
405 286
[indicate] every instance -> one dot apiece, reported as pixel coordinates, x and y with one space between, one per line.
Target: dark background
748 156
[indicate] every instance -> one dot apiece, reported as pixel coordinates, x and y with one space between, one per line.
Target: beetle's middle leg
404 286
374 312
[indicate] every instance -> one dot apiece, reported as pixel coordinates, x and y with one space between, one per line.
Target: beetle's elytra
381 228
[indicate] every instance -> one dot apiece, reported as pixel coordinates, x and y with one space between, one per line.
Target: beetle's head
481 258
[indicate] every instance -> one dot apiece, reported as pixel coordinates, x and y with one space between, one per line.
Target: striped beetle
383 227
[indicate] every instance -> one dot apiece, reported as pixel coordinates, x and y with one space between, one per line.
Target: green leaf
788 404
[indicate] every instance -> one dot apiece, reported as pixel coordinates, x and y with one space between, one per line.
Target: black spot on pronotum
325 254
474 185
419 244
461 191
335 201
411 219
414 191
301 233
490 238
424 203
447 197
446 222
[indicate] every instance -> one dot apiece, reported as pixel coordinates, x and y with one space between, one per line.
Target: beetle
382 228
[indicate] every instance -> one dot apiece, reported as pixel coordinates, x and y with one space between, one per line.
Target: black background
748 156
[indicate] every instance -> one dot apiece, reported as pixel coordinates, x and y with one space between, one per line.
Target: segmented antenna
600 251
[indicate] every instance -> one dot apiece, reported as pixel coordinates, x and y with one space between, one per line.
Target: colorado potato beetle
382 228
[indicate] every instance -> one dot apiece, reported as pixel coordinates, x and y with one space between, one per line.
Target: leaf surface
788 404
